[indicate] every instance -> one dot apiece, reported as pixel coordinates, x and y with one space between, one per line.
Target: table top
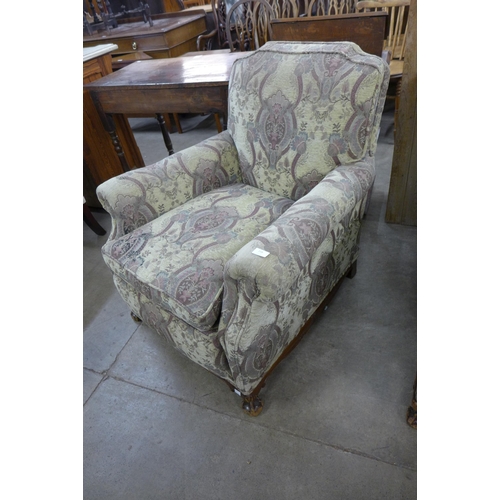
203 70
98 50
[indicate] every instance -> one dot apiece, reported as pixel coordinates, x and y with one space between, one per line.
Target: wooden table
171 35
189 84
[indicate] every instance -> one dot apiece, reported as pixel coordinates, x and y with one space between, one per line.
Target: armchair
229 248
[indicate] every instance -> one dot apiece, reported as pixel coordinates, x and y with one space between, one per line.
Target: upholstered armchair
229 248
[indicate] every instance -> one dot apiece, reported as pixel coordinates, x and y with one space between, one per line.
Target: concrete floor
157 426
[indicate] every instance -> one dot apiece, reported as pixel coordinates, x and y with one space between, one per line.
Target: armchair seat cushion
178 259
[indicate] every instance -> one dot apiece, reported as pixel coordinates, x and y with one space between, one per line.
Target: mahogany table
186 84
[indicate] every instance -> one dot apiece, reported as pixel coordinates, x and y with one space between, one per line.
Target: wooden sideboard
171 35
100 161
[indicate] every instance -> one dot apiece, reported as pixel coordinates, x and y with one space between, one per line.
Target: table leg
118 145
110 127
164 131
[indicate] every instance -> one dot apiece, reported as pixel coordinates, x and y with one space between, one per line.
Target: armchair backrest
299 110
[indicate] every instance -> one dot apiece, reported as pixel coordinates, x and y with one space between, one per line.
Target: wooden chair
248 25
329 7
395 41
283 9
307 8
215 39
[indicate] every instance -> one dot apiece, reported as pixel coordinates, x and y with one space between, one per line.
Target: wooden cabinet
100 161
171 35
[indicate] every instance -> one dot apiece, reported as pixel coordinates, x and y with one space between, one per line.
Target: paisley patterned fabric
140 196
291 176
311 247
177 260
202 347
294 117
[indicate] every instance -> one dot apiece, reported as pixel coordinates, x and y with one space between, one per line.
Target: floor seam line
289 433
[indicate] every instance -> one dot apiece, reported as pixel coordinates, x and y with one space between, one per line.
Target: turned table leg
164 131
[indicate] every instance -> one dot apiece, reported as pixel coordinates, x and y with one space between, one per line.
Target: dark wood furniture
91 221
100 161
402 196
248 25
172 35
365 29
189 84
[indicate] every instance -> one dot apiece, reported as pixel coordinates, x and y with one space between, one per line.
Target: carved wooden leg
252 405
117 144
110 127
164 131
411 414
135 318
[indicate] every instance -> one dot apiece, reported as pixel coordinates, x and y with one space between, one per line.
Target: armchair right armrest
266 300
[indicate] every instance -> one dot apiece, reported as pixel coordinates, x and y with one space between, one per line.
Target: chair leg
411 414
177 123
90 220
135 317
252 405
217 122
352 270
168 123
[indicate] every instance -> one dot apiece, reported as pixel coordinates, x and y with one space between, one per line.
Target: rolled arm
293 239
141 195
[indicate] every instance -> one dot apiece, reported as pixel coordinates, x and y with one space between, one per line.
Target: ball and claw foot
252 405
135 318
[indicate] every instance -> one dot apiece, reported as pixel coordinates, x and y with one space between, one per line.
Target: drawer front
135 44
186 32
158 41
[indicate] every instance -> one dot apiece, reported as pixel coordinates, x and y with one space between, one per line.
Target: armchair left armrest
141 195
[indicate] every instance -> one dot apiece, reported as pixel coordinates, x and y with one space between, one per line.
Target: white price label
260 252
